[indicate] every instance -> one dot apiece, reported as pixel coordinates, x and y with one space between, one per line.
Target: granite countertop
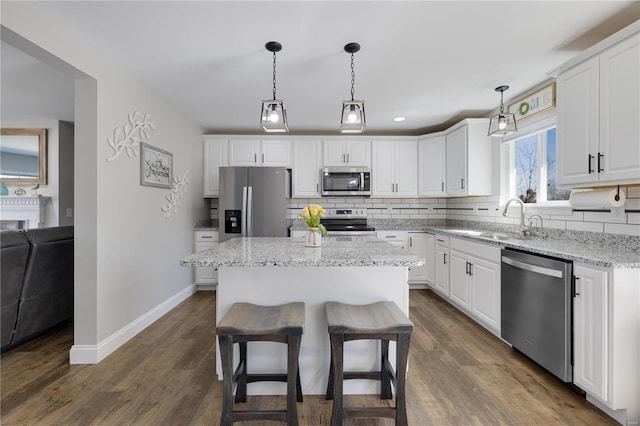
618 251
288 252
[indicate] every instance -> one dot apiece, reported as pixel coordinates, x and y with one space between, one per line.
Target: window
533 165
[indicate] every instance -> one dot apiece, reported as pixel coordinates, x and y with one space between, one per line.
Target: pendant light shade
353 117
502 123
273 118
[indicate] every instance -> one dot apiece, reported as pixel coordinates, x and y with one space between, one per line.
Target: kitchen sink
495 235
465 232
483 234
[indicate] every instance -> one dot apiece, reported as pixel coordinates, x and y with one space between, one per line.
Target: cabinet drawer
442 240
205 236
397 238
483 251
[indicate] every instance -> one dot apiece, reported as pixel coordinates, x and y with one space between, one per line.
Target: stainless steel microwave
345 181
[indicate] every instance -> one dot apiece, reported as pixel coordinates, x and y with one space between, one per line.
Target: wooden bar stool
382 321
244 323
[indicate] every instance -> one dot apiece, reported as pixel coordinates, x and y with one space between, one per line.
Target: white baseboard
93 354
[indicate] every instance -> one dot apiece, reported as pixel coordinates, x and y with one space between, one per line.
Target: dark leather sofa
36 281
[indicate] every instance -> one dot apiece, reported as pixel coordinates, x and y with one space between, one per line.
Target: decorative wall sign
534 103
156 166
127 137
180 185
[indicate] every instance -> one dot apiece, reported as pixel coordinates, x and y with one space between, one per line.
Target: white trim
543 122
93 354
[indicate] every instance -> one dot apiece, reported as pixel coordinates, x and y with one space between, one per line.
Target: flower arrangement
311 216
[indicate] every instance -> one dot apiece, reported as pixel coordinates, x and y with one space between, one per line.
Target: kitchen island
273 271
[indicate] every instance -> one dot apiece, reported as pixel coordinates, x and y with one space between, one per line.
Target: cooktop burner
347 221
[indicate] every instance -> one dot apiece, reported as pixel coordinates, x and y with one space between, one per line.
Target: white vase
314 237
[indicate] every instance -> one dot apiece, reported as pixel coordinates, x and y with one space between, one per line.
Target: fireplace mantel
31 210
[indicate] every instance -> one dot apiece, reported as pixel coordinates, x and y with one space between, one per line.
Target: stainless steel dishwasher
536 308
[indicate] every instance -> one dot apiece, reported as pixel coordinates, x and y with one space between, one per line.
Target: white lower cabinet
590 343
204 240
606 339
397 238
422 244
474 281
458 282
441 261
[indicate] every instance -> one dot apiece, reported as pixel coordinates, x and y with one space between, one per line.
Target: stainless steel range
347 222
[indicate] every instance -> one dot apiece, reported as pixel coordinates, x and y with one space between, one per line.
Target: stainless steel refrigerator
253 202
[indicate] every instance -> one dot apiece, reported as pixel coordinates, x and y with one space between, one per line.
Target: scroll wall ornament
128 137
180 185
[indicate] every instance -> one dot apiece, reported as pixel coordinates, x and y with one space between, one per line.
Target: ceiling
431 62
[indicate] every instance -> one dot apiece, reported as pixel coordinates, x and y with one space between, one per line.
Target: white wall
126 252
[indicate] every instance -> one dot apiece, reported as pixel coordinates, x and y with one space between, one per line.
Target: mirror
23 156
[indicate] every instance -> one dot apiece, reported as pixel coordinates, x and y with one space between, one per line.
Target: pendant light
353 119
502 124
274 116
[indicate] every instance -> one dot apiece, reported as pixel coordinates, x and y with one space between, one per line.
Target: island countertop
289 252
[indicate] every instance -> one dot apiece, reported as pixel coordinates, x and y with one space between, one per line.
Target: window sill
559 209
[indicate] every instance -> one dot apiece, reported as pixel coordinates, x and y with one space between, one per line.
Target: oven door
346 181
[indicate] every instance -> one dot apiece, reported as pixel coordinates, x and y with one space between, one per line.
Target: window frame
508 164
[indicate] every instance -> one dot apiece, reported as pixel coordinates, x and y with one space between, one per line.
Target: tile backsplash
480 209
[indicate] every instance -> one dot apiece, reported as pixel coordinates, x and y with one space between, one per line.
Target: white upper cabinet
577 129
432 166
394 168
215 156
598 125
469 155
356 153
307 162
253 152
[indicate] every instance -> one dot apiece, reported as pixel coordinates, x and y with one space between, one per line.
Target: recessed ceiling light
399 119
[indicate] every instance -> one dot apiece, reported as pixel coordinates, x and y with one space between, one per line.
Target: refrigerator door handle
250 212
243 220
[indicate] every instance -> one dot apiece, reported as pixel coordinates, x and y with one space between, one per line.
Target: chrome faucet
524 231
542 234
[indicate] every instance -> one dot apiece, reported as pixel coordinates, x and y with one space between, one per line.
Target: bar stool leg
226 357
402 354
293 377
337 343
241 389
299 384
329 394
385 378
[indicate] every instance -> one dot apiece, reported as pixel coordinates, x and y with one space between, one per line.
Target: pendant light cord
353 78
501 101
274 76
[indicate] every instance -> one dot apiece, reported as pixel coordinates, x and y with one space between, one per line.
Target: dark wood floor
459 374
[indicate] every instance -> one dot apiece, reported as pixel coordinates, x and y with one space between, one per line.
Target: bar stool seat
382 321
246 322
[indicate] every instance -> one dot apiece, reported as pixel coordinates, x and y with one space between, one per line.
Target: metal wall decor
129 135
502 123
180 186
352 117
273 118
